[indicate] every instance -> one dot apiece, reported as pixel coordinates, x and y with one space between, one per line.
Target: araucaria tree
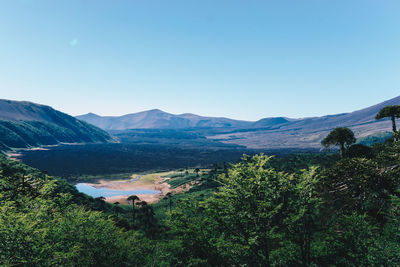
392 112
342 137
133 198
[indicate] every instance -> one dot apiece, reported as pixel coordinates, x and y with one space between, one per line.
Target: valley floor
145 182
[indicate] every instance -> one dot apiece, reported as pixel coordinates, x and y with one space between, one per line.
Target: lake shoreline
135 183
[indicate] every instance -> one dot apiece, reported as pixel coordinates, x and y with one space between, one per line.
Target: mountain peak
270 121
90 114
156 110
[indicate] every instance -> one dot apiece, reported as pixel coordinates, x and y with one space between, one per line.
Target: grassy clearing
180 181
151 177
177 179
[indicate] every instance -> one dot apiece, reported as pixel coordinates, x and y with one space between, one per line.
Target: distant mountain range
157 119
277 132
25 124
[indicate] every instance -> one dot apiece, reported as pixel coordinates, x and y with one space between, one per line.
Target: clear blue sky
240 59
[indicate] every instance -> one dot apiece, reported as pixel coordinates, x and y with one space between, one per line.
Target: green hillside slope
25 124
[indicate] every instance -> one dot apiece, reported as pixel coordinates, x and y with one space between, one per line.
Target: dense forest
73 161
309 210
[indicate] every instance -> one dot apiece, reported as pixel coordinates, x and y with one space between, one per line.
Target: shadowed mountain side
25 124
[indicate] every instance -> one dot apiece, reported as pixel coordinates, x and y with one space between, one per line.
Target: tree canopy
303 210
391 112
340 136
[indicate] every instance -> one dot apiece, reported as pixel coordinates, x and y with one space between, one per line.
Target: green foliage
341 136
192 243
359 151
180 180
260 211
298 162
162 208
336 216
46 222
350 239
303 216
42 235
389 112
385 250
375 138
23 134
358 185
248 208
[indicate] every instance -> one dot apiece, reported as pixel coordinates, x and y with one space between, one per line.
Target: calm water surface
105 192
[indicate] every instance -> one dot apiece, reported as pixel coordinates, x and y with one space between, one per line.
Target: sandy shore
158 185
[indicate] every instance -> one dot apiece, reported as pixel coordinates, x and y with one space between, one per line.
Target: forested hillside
46 222
25 124
308 210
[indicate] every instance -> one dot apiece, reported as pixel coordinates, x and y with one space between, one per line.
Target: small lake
105 192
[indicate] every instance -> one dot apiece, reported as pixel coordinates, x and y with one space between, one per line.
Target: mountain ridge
273 132
135 120
158 119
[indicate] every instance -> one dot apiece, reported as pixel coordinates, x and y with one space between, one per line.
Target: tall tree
342 137
392 112
168 196
304 207
248 210
116 208
358 185
132 199
146 217
100 203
